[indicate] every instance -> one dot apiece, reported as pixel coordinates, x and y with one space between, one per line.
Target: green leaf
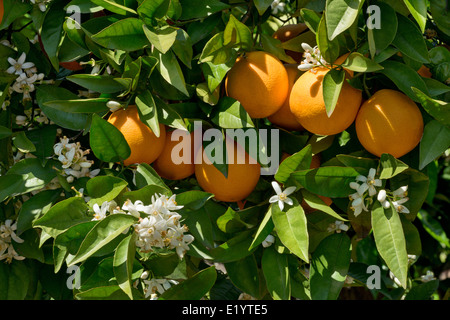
93 105
22 142
34 208
145 193
440 110
262 5
107 142
265 228
311 19
72 121
153 9
62 216
113 292
409 40
378 38
35 176
329 266
193 199
237 34
168 115
104 188
9 184
5 132
433 227
147 111
123 263
300 160
100 83
231 221
418 9
404 77
104 232
245 275
328 49
52 29
276 272
13 9
43 139
215 51
291 227
327 181
423 291
14 280
358 63
340 15
115 7
170 70
126 34
193 9
163 38
439 11
391 166
332 84
183 47
146 175
233 249
435 141
412 237
231 115
193 288
316 203
390 240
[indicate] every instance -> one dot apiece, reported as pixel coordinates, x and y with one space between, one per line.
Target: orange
424 72
288 32
166 167
259 81
308 107
144 144
283 117
389 122
241 180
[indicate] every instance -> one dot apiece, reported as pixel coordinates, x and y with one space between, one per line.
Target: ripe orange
288 32
389 122
284 117
308 107
242 175
144 144
259 81
165 166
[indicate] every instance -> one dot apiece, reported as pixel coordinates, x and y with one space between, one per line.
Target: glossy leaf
276 272
291 227
409 40
329 266
231 115
340 15
104 188
193 288
107 142
123 263
435 140
391 166
244 274
104 232
418 9
390 240
332 84
378 38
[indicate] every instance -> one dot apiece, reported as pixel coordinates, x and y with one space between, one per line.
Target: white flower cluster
312 58
27 76
366 188
7 234
73 159
161 226
158 226
277 5
154 286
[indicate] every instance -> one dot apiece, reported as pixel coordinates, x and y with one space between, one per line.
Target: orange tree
79 221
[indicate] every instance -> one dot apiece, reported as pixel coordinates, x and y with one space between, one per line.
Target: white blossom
18 65
113 105
337 227
157 286
281 196
429 276
369 183
311 58
277 5
7 235
268 241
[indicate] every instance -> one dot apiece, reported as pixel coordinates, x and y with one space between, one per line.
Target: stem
366 89
248 13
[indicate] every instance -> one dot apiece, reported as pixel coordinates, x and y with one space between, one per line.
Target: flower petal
281 205
273 199
276 187
290 190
